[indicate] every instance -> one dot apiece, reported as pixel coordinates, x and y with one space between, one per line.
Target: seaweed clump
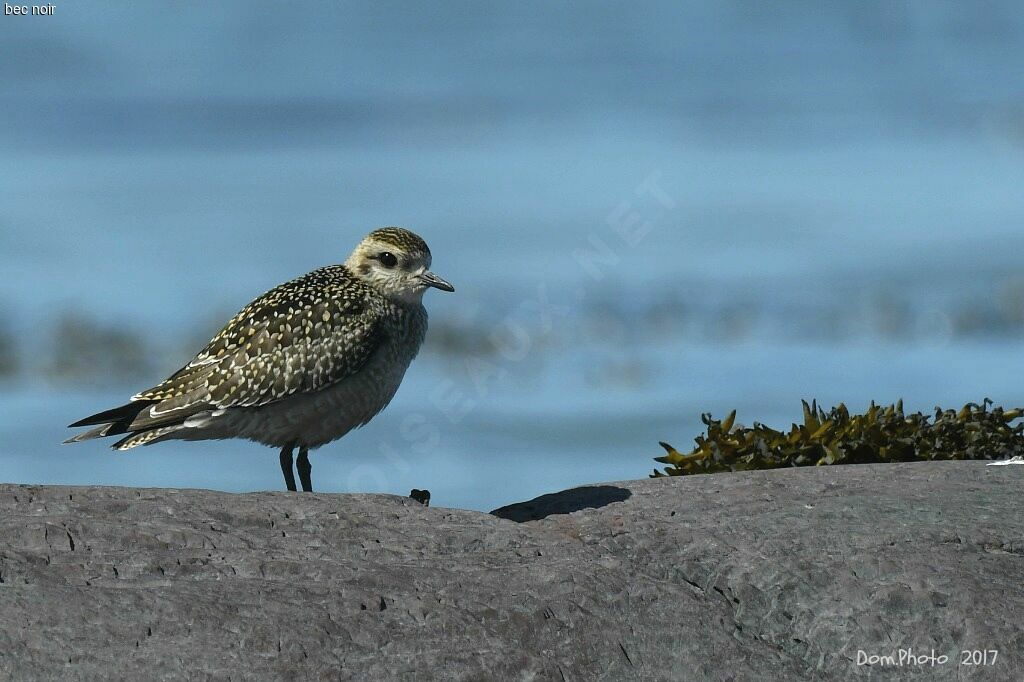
882 434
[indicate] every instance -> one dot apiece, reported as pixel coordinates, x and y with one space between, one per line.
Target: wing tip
79 423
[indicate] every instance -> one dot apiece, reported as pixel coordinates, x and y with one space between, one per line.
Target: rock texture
765 575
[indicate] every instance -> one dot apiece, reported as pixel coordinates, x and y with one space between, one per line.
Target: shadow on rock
565 502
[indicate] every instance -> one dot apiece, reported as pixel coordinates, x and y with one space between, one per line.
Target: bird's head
396 262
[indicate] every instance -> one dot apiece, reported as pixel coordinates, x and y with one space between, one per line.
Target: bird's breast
317 418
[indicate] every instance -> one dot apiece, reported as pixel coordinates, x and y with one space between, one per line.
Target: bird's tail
112 422
144 420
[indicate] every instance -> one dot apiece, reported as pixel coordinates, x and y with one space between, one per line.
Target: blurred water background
649 211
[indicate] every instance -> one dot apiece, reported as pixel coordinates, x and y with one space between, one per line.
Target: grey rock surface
753 576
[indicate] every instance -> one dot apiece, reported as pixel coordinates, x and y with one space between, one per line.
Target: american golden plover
300 366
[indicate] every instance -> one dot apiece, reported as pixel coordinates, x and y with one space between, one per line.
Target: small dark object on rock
421 496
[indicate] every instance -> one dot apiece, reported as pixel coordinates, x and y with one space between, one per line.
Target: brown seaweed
882 434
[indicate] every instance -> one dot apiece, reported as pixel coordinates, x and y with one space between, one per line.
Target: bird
298 367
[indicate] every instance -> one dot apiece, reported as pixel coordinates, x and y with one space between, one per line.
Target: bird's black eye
388 259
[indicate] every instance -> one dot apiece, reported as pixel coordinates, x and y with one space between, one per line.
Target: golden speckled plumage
298 337
302 364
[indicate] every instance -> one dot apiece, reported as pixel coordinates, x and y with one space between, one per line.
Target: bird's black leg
304 467
286 467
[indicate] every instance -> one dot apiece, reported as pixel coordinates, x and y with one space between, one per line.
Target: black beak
432 280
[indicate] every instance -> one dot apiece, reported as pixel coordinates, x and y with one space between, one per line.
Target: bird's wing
299 337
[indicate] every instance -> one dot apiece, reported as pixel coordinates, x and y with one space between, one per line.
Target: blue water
648 211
